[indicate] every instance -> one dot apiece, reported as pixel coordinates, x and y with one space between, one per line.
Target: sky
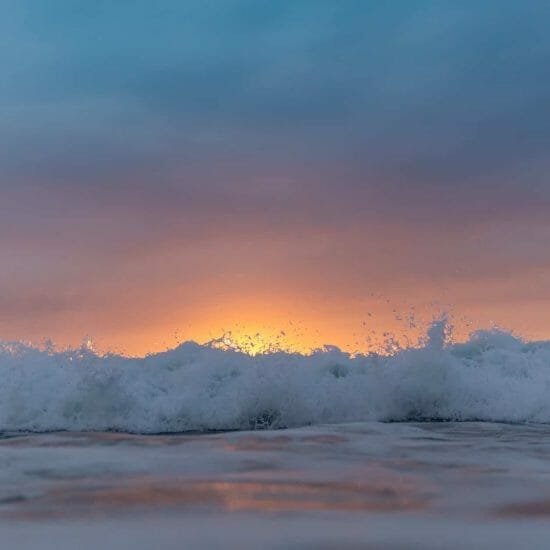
176 170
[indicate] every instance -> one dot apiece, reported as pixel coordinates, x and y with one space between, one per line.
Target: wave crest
494 376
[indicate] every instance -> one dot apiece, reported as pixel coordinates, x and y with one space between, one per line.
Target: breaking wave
494 376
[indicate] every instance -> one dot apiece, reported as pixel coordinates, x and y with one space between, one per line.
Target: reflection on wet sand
95 439
279 442
369 485
231 496
539 509
258 443
355 468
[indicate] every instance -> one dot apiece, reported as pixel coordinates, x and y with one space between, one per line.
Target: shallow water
396 485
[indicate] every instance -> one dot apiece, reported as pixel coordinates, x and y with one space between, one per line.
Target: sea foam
494 376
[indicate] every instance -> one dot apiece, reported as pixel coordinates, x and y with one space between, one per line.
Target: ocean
442 446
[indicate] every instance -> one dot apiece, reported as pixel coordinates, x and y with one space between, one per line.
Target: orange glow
260 326
297 314
383 494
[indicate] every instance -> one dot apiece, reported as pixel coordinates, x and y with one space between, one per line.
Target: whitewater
493 376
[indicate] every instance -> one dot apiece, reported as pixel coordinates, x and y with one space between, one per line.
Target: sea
446 445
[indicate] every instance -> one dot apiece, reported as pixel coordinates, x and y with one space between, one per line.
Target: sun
257 342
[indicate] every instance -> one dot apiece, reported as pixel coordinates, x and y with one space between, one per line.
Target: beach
356 485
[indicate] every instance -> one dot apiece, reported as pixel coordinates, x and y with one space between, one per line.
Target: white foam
493 377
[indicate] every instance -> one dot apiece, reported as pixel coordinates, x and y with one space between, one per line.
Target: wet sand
365 485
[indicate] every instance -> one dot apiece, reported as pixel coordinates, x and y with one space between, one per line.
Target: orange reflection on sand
279 442
255 443
232 496
302 496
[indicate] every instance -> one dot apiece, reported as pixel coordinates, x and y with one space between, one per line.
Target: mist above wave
494 376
